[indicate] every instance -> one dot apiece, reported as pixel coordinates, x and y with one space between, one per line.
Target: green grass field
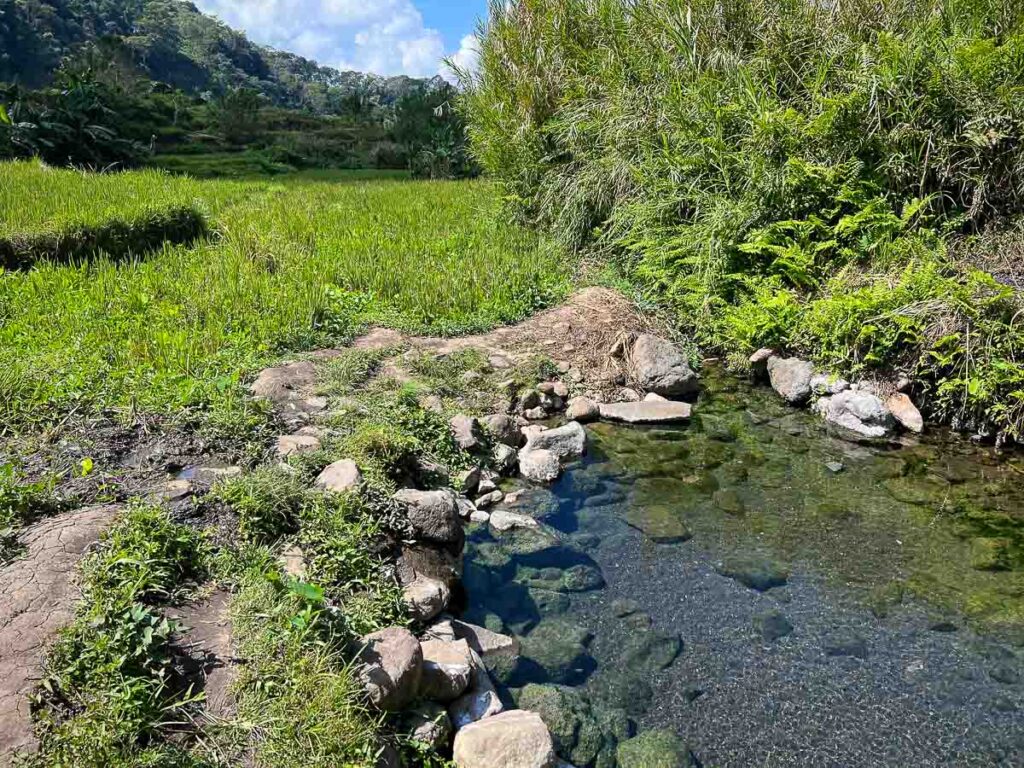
294 263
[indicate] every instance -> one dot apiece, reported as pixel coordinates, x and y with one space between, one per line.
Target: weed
21 502
267 502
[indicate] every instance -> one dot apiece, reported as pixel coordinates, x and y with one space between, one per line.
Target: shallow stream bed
775 595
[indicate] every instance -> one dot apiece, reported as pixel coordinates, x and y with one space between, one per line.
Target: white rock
857 411
340 477
667 412
480 701
514 739
565 442
502 520
539 466
791 378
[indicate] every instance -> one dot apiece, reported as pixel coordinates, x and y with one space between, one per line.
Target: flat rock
791 378
37 598
755 572
340 477
284 384
391 665
665 412
656 365
490 646
503 520
514 739
565 442
294 445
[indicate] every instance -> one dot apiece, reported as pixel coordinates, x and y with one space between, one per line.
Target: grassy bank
817 178
295 263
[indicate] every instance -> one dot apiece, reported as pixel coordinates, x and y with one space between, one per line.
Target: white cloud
387 37
466 58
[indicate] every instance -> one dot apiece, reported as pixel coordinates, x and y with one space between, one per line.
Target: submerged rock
661 523
514 739
791 378
655 749
582 733
754 571
559 648
846 644
657 366
772 625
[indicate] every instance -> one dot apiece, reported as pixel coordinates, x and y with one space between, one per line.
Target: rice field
291 263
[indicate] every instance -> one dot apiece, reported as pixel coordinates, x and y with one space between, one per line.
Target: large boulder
791 378
859 412
390 667
515 739
657 366
566 442
540 466
434 515
340 477
650 412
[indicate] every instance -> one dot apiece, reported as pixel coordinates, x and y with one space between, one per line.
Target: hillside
175 43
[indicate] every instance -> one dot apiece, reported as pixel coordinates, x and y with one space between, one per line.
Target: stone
504 429
481 701
426 598
489 499
822 384
503 520
418 559
488 482
583 410
754 572
654 397
654 749
662 523
905 412
791 378
467 432
835 467
539 466
447 669
759 362
535 414
489 646
434 515
466 508
989 554
857 411
284 384
566 442
627 395
772 625
428 723
340 477
657 366
468 481
728 500
293 562
499 362
646 413
846 644
581 732
514 739
391 664
479 516
504 458
294 445
647 651
559 648
624 607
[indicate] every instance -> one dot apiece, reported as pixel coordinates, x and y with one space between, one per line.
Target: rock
581 732
504 429
583 410
857 411
489 646
759 362
340 477
535 414
293 562
624 607
556 388
479 516
515 739
566 442
645 652
823 384
488 482
559 648
391 666
654 749
654 397
480 701
846 644
990 554
582 578
432 403
294 445
502 520
661 523
429 724
447 669
772 625
419 559
468 481
791 378
466 508
627 395
755 572
434 515
835 467
466 431
539 466
646 413
285 383
499 362
489 499
657 366
504 458
426 598
905 412
728 500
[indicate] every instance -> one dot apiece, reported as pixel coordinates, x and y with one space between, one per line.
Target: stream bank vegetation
830 179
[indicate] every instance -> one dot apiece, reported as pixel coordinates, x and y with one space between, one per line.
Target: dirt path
37 598
207 641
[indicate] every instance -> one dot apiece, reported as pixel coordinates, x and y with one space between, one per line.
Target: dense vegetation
791 174
122 82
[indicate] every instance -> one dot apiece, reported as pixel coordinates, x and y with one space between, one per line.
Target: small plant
21 502
267 502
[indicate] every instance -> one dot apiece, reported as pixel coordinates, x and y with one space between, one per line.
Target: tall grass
756 163
295 264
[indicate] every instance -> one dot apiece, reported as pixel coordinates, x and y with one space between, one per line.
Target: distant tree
236 113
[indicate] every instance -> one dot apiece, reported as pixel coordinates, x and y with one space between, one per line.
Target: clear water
671 563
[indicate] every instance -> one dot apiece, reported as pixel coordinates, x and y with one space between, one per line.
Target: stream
773 594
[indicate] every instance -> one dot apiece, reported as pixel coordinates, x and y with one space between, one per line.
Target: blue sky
388 37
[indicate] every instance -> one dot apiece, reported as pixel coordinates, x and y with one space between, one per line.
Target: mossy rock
990 554
559 648
649 651
621 689
662 523
729 501
581 732
655 749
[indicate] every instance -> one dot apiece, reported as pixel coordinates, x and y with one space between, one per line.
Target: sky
386 37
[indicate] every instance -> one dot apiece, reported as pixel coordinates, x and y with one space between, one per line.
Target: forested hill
175 43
